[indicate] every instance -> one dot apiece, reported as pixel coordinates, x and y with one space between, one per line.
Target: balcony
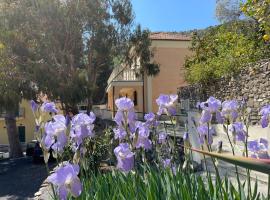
124 74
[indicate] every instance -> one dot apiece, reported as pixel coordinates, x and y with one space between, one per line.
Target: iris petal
76 187
62 192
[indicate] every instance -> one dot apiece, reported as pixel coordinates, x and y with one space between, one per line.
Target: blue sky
174 15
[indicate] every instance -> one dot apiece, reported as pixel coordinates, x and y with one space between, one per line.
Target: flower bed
147 160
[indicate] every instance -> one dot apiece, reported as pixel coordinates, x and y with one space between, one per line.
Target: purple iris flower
55 134
34 105
83 119
131 117
259 148
264 143
68 120
119 118
238 130
124 104
166 163
125 113
49 107
210 107
265 112
205 117
230 109
125 157
166 104
82 127
204 134
143 136
253 146
150 119
162 138
143 142
219 117
119 133
210 135
202 129
198 105
66 180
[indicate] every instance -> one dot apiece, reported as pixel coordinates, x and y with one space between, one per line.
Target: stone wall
252 84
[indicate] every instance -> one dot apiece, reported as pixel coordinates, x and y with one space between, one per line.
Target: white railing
122 73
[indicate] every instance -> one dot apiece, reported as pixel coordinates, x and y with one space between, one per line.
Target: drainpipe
113 108
143 94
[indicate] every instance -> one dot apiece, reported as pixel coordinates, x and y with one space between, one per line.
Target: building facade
25 123
170 51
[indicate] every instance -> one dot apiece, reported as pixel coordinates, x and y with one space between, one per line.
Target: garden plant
146 158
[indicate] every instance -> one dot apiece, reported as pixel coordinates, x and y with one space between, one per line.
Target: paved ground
20 179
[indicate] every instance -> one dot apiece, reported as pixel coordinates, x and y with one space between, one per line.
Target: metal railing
108 114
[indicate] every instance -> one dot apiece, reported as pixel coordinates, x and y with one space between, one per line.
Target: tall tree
60 48
140 53
68 45
13 86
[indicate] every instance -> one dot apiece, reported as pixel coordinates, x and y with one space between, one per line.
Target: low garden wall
251 84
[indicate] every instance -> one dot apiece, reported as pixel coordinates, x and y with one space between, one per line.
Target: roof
169 36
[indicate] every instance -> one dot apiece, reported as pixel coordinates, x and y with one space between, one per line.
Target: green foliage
260 11
223 50
66 46
98 151
13 85
140 52
157 184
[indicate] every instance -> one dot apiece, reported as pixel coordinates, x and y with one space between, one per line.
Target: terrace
122 74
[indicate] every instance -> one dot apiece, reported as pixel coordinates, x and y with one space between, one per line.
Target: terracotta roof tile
169 36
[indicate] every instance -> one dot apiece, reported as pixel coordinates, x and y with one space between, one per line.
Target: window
21 132
135 98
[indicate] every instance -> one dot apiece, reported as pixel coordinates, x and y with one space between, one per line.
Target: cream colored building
170 50
25 123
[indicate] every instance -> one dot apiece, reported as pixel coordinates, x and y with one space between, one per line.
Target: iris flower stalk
248 171
265 112
174 139
188 152
244 116
210 107
48 172
204 158
213 160
233 152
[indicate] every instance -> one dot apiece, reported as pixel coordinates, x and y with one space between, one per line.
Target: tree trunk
89 103
92 79
15 150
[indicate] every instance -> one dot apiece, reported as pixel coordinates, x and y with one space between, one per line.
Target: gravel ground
20 178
